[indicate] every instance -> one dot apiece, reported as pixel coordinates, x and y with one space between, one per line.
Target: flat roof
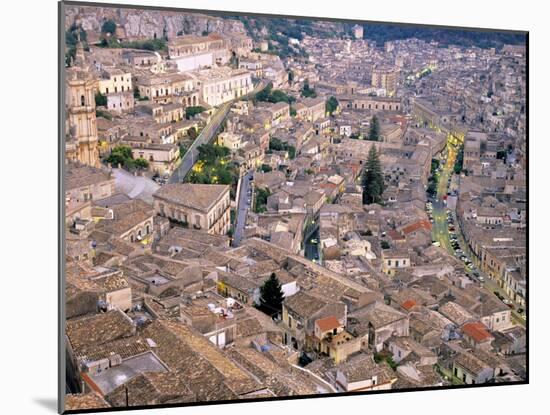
110 379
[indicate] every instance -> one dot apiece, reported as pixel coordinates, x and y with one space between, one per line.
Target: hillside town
261 208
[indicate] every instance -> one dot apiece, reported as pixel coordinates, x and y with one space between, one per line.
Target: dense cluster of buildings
162 298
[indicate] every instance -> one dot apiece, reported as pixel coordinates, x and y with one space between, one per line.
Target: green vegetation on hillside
109 26
71 40
149 44
381 33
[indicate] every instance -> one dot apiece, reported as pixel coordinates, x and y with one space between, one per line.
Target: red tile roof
477 332
394 235
328 323
407 305
416 226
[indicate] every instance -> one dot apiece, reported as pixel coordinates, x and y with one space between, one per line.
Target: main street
441 233
440 230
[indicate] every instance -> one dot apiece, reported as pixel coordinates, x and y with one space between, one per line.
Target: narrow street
243 205
311 240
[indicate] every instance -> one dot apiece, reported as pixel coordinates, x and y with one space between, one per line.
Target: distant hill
381 33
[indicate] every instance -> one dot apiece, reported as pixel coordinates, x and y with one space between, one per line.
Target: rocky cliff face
148 23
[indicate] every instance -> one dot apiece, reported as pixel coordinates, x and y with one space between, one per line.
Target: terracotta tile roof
477 331
327 323
99 329
470 363
408 305
79 175
277 375
211 374
424 224
79 401
152 388
394 235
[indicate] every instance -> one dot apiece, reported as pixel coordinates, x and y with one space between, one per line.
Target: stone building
221 85
385 77
82 133
203 206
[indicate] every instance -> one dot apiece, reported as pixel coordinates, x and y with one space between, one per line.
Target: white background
28 152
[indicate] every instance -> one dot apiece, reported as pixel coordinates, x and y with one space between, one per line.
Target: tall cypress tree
372 179
271 296
374 130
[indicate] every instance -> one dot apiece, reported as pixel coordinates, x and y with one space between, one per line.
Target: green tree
373 179
276 144
109 26
331 105
264 93
261 199
374 130
459 162
141 163
121 155
307 91
100 99
234 60
210 153
271 296
192 111
291 152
